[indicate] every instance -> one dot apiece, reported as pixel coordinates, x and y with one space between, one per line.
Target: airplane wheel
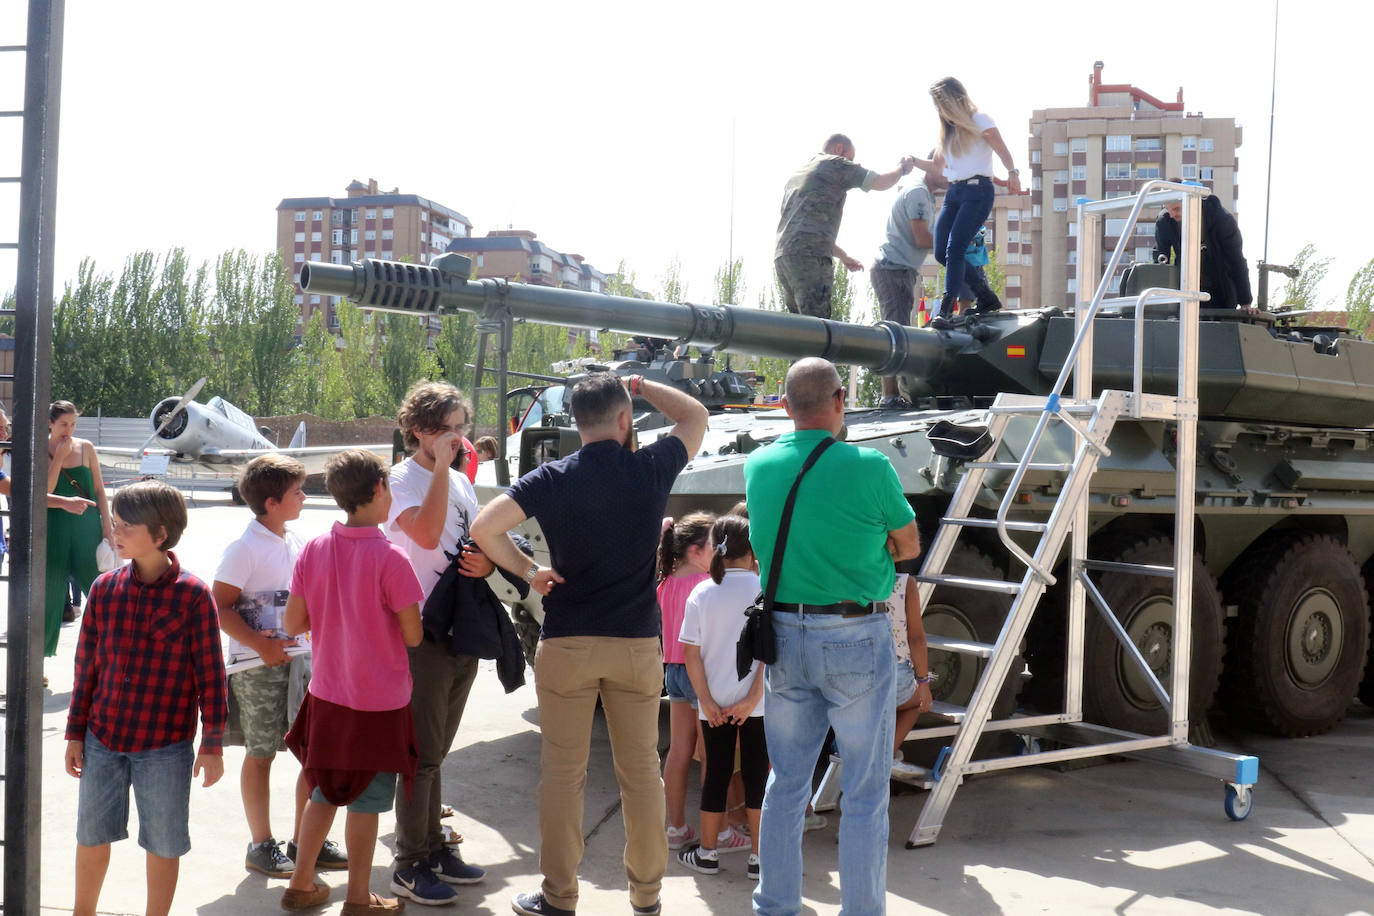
1115 693
1301 640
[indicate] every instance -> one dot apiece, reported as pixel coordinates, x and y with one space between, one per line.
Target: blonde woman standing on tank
968 140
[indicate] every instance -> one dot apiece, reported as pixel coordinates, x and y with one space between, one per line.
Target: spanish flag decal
1016 351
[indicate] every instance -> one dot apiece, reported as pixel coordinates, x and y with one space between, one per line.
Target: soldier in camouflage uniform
812 205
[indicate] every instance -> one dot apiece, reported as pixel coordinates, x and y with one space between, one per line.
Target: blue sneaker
448 866
418 883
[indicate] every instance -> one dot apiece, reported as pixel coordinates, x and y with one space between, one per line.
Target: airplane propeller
181 405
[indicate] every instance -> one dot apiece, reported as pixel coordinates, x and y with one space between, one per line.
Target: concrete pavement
1126 837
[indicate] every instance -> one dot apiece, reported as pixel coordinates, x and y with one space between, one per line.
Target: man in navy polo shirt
600 510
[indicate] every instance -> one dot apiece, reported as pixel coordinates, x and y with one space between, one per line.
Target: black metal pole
29 519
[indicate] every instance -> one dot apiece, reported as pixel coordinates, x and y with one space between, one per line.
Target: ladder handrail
1085 330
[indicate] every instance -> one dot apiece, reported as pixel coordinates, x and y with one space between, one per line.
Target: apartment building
367 223
519 256
1108 148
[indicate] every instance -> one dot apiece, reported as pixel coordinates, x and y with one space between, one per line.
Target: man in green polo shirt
835 654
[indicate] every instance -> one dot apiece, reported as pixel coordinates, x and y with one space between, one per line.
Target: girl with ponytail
684 556
731 708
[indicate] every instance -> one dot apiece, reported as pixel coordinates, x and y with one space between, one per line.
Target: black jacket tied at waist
464 615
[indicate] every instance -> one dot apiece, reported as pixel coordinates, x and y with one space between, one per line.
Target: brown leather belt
844 608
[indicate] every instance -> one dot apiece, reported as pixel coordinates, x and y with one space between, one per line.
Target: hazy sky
607 127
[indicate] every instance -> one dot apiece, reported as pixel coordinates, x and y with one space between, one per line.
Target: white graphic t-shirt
259 564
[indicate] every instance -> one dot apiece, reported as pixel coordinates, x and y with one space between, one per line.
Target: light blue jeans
838 672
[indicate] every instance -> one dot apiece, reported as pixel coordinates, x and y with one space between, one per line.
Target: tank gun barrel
446 285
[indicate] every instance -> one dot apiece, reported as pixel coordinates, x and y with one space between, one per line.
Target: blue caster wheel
1240 801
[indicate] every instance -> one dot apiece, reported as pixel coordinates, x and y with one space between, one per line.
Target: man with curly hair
433 503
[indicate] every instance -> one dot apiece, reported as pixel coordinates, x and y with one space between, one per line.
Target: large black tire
971 615
1367 687
1300 643
1115 693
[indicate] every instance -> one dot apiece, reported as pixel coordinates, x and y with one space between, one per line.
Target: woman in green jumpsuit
73 470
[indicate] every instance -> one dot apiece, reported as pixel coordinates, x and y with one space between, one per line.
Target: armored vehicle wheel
1367 688
969 615
527 628
235 497
1115 693
978 617
1299 646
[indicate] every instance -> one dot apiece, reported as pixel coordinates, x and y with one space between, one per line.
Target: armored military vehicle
1284 533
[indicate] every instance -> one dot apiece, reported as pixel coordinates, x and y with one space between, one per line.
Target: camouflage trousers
806 282
263 698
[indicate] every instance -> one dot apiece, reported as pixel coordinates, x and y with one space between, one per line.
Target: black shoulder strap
775 568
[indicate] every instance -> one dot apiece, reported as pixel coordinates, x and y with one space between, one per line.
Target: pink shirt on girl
672 600
354 581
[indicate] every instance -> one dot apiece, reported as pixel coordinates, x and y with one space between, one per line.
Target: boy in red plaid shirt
147 660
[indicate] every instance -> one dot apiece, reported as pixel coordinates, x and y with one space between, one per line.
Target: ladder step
1032 410
1139 569
1013 465
984 585
992 523
959 647
949 710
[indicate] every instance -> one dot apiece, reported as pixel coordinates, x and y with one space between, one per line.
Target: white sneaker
679 837
731 840
814 822
903 770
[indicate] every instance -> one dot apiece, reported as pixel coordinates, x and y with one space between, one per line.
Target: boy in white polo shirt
250 589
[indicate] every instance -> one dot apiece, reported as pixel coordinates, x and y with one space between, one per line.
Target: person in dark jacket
1225 274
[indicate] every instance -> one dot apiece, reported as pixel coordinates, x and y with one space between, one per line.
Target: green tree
1302 292
1359 298
319 385
671 288
730 289
272 324
362 370
405 355
456 347
994 272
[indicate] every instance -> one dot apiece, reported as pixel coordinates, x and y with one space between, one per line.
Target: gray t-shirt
813 202
900 248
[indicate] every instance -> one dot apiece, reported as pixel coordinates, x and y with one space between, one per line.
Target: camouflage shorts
263 710
895 288
806 281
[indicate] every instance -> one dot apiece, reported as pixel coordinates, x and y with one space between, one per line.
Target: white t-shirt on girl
712 621
976 159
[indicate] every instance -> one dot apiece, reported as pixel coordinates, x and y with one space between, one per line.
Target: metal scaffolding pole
28 521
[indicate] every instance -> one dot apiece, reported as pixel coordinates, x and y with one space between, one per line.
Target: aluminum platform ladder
1091 420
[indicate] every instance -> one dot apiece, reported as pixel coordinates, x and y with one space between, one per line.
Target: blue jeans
966 208
161 780
831 671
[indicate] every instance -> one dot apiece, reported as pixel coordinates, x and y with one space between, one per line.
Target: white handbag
105 557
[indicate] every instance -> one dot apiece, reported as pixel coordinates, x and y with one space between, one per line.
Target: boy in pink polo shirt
357 594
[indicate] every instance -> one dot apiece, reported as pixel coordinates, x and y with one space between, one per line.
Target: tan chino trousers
569 672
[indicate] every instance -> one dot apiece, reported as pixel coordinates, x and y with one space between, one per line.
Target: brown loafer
292 899
377 904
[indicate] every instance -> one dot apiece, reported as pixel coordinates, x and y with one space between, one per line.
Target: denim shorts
903 681
161 780
376 798
678 684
